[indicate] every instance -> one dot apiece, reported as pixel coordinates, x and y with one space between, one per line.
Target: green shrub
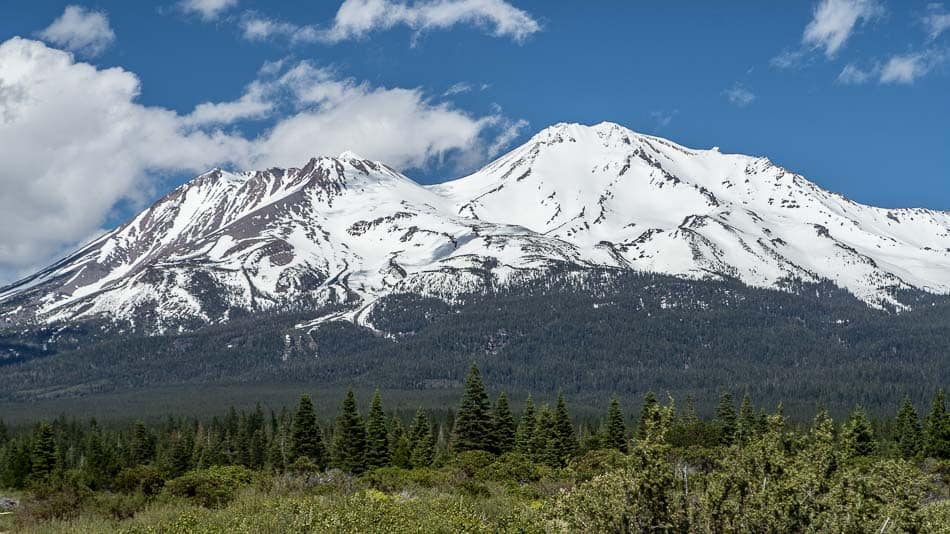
393 479
471 462
59 497
514 467
596 462
144 479
212 487
119 505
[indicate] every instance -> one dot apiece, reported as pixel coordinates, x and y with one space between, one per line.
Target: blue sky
853 94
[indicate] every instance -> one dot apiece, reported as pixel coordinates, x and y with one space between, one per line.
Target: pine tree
858 435
101 463
473 427
648 412
43 457
142 445
747 423
543 439
349 437
377 435
180 455
937 428
525 433
4 434
726 418
908 429
503 426
400 451
421 441
305 439
616 432
564 438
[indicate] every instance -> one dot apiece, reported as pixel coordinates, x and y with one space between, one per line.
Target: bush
514 467
393 479
144 479
595 463
471 462
119 505
212 487
56 498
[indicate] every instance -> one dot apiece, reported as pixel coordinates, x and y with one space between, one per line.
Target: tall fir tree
141 445
616 432
473 426
525 432
543 439
421 441
377 435
43 456
503 426
305 438
400 451
908 430
648 412
747 423
726 418
564 438
349 437
858 434
937 428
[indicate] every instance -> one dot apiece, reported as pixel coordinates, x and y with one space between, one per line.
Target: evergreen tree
937 428
305 438
101 462
400 451
616 431
525 433
43 457
349 437
473 425
543 439
276 451
503 426
141 446
726 418
4 434
908 430
648 414
564 438
180 456
377 435
858 435
421 441
747 424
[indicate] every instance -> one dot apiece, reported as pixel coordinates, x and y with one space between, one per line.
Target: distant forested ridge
590 333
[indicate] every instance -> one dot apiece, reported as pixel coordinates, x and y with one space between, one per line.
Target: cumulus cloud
75 142
358 18
908 68
207 9
936 21
81 30
835 20
739 95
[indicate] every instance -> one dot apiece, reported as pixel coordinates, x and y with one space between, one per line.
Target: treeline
355 443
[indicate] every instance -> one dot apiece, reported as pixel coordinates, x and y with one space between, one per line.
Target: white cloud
458 88
207 9
81 30
908 68
853 75
75 142
937 20
835 20
664 118
357 18
739 95
788 59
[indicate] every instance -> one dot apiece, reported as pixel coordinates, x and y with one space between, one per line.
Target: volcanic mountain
339 233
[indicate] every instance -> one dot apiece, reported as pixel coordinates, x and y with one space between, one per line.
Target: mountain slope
649 204
336 234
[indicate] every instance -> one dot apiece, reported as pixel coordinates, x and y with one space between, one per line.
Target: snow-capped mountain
347 230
